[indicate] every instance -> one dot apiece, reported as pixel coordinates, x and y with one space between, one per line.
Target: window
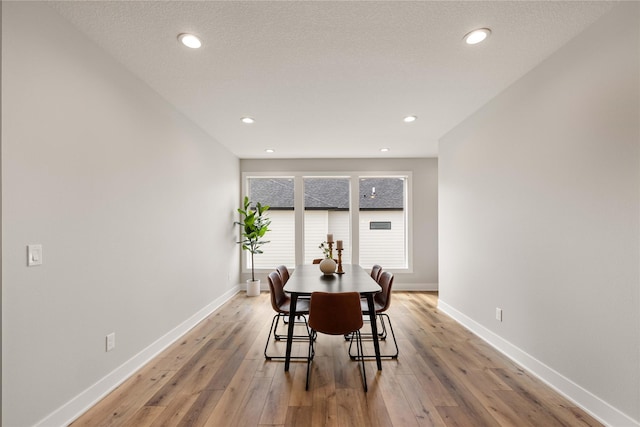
380 225
326 210
383 238
278 194
370 214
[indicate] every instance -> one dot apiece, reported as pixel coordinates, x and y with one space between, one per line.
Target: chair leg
310 355
382 333
273 330
361 354
285 320
266 356
393 335
350 339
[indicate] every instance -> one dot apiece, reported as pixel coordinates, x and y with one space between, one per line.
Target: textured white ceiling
329 79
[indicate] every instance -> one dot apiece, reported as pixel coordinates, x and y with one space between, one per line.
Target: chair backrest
317 260
278 297
384 297
283 271
376 270
335 313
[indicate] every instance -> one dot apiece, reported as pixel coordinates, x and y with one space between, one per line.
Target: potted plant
254 224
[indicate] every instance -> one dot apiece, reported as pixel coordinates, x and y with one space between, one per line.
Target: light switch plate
111 341
34 255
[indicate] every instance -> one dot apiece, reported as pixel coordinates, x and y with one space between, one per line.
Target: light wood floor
216 375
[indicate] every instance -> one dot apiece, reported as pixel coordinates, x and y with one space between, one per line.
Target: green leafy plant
254 224
326 251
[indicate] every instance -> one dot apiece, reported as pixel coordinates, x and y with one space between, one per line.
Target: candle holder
330 249
340 270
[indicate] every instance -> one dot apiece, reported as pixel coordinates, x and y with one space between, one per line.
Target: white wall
424 201
132 203
540 215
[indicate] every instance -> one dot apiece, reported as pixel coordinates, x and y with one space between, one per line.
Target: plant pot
328 266
253 288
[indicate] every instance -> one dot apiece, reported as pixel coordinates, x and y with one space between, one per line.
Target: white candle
329 238
339 244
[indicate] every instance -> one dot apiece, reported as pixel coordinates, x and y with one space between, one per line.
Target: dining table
307 279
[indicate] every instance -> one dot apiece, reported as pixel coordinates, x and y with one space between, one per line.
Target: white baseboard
596 407
399 286
71 410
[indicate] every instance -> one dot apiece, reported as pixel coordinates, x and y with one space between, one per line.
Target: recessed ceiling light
476 36
270 150
384 150
247 120
189 40
410 119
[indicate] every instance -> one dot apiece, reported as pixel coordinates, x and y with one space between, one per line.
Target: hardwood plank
299 396
145 416
324 412
374 403
176 409
351 411
423 408
346 372
465 400
216 375
458 360
174 357
267 369
298 416
455 416
117 407
201 409
487 391
482 384
534 403
397 404
185 375
274 411
252 404
227 371
431 385
230 402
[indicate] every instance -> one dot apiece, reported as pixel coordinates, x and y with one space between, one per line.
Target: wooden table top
308 278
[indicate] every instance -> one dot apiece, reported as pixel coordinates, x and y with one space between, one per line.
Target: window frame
354 210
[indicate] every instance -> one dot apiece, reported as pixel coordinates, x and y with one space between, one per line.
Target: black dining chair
335 314
381 302
280 303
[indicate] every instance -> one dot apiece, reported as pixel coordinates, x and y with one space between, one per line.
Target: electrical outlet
499 314
111 341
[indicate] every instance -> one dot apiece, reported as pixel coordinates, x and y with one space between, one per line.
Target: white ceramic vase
253 288
328 266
